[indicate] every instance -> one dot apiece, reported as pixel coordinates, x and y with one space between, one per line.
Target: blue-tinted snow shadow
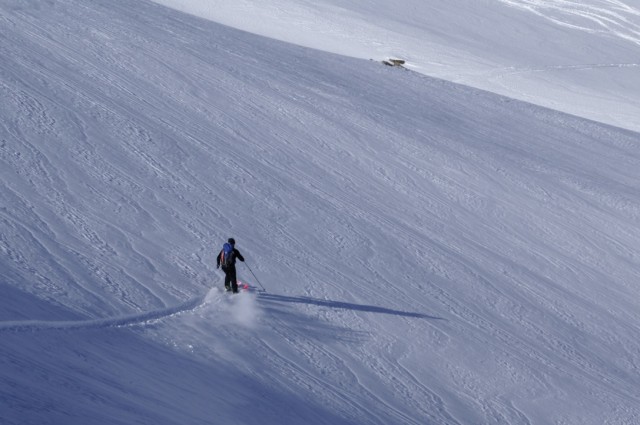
118 376
17 304
344 305
92 372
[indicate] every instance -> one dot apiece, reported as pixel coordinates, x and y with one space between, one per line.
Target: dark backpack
227 256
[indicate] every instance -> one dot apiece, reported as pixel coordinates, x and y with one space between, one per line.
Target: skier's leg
234 281
227 280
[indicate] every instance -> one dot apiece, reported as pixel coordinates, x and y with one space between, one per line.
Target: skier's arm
218 260
239 256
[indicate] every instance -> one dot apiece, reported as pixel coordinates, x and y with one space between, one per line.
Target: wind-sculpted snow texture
612 17
432 254
579 57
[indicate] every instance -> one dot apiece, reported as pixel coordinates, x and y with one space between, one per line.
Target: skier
227 259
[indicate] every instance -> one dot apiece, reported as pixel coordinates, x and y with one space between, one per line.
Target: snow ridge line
109 322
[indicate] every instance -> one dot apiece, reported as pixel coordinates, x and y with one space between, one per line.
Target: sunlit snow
419 250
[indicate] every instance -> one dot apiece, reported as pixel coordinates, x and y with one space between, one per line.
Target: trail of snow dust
216 330
238 309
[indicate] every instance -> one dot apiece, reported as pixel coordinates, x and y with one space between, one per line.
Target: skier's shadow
344 305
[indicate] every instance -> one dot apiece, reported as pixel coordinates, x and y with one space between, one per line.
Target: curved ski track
109 322
611 17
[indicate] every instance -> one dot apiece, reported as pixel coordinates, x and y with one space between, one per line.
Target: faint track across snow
109 322
609 17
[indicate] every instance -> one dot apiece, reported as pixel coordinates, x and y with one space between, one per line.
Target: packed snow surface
418 251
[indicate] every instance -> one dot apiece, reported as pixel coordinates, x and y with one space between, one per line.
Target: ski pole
254 275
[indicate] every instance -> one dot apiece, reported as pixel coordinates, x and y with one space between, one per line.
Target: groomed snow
432 253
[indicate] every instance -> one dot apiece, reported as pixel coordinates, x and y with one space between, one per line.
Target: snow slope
580 57
432 253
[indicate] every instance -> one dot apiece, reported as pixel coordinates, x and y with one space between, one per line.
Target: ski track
610 17
110 322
